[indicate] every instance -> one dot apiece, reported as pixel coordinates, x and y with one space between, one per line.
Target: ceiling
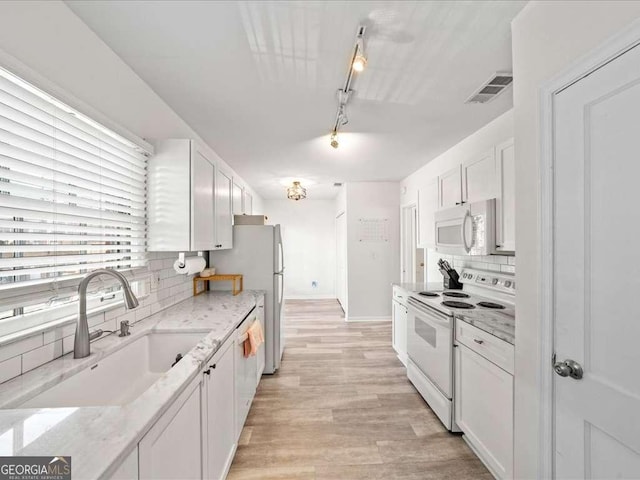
257 79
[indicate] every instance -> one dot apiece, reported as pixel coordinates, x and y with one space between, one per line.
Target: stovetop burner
456 294
428 294
491 305
454 304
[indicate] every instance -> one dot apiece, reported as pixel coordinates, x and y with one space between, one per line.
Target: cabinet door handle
207 372
479 342
213 366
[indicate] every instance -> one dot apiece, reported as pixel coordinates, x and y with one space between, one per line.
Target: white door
341 260
409 240
596 314
450 188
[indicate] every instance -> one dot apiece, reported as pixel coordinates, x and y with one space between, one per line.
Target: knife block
451 279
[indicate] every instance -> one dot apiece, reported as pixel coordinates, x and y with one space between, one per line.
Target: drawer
489 346
400 294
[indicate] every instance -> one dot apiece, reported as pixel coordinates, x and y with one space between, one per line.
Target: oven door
430 344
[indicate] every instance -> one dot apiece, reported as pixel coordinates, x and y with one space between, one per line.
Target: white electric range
487 300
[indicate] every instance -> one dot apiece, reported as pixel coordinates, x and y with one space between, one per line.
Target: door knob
569 368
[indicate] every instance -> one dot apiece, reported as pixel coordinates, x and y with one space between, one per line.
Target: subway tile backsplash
495 263
31 352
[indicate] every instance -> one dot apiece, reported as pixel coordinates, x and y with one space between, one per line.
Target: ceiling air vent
337 184
498 82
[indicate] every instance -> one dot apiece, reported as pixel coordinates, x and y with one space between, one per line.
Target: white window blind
72 193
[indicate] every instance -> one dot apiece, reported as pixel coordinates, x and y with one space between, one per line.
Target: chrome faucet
81 344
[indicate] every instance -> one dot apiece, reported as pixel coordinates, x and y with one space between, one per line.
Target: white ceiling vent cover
489 90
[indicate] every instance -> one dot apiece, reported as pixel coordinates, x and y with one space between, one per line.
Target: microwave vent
490 89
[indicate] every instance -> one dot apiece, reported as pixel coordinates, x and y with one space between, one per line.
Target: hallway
341 408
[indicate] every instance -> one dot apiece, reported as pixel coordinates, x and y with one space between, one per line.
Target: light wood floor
342 408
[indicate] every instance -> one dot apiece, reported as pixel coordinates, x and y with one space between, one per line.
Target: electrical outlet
155 281
314 284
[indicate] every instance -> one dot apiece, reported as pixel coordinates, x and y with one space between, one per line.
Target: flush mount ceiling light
296 192
358 63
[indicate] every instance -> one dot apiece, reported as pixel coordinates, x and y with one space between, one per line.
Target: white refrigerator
257 254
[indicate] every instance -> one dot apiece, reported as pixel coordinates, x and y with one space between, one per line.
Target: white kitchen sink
120 377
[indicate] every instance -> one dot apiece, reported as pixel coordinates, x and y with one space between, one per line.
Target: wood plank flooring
342 408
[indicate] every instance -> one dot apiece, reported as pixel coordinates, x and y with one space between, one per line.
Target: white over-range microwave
467 230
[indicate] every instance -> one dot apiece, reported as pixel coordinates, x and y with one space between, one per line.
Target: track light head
359 63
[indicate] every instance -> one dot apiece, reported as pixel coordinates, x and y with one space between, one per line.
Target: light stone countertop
99 438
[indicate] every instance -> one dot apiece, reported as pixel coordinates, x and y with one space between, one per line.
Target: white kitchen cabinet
223 211
128 469
238 197
399 330
484 409
450 188
181 182
427 207
248 203
506 197
172 448
479 176
220 412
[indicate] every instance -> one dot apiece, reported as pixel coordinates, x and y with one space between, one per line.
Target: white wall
308 231
547 38
45 43
371 266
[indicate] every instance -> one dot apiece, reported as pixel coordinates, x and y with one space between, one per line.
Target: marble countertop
498 324
99 438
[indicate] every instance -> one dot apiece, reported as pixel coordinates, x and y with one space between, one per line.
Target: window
72 199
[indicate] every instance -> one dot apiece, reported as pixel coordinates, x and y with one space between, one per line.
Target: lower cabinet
399 330
173 447
220 423
484 409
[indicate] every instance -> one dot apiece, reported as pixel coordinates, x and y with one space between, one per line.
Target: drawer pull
479 342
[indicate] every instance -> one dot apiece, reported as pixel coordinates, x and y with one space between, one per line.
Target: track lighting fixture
358 63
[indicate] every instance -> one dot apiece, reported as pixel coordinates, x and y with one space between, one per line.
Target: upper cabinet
487 175
427 207
506 197
479 177
190 199
248 203
224 211
238 194
181 190
450 187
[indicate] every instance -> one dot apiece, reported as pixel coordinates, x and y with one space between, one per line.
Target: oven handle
466 246
432 313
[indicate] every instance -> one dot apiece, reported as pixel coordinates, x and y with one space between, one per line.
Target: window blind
72 193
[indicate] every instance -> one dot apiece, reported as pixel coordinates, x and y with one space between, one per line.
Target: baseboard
367 319
311 297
